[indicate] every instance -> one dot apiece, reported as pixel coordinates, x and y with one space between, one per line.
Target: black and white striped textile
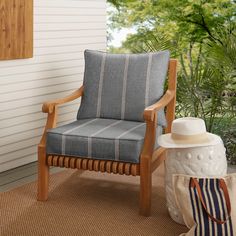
208 205
215 201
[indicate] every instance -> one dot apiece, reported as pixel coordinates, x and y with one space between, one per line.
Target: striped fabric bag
208 205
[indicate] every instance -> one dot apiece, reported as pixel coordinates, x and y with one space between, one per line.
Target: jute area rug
86 203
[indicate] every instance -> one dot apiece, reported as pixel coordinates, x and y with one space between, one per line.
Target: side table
207 161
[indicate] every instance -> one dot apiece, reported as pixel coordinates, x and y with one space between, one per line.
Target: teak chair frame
150 157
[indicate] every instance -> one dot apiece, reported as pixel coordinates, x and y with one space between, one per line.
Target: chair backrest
120 86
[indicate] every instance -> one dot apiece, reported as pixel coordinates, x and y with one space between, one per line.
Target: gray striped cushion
98 138
120 86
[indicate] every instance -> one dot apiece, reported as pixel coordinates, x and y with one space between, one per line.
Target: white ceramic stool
207 161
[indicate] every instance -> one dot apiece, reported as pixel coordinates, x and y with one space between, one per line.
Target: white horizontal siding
21 78
36 100
40 19
14 121
68 26
27 110
70 34
70 4
63 29
59 11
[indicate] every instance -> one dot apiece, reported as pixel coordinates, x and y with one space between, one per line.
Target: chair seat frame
150 157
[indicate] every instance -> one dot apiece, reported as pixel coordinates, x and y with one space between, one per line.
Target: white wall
62 30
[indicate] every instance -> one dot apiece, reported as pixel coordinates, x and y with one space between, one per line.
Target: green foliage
194 20
227 130
146 41
202 35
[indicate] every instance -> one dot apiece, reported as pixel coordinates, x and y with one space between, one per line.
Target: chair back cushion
120 86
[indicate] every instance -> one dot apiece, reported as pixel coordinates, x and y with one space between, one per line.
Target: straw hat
188 132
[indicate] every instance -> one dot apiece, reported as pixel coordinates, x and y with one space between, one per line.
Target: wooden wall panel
16 29
63 29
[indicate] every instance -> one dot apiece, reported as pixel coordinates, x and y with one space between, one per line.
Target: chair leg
43 175
145 187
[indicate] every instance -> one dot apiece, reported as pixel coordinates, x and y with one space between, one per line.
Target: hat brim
166 141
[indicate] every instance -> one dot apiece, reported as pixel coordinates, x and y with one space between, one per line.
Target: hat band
197 138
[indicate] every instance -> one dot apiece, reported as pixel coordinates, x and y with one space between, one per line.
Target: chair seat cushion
97 138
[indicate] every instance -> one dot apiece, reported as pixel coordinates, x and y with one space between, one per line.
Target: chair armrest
49 106
150 111
151 123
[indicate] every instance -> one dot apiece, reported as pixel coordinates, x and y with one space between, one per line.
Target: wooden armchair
150 157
